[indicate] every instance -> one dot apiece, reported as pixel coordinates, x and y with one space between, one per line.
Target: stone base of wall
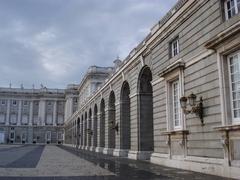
141 155
33 134
108 151
120 152
99 149
212 166
92 148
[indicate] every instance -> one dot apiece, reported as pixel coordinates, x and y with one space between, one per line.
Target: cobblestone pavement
36 162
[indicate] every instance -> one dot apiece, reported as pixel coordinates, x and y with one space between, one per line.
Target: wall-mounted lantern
114 126
196 107
89 131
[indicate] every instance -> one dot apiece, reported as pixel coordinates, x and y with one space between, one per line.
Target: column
117 121
68 107
19 112
107 129
93 130
98 129
8 112
88 132
54 113
41 112
31 114
81 133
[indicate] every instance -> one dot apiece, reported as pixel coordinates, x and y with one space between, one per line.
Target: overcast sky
53 42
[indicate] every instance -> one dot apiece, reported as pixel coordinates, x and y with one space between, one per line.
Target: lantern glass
183 102
192 99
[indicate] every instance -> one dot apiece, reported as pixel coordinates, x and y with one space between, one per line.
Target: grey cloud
54 41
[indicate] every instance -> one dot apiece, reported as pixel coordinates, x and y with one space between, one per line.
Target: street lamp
113 126
196 107
89 131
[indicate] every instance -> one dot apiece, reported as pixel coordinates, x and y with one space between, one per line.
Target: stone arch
102 123
145 110
74 133
89 129
125 130
95 124
78 131
85 129
111 120
82 129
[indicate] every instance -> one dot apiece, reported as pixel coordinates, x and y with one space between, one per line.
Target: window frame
176 75
175 82
14 104
3 102
172 49
237 10
233 120
25 103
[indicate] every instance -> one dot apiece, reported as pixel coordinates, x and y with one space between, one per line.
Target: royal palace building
37 115
31 115
174 100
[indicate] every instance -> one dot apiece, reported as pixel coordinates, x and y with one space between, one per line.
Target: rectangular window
3 102
174 47
25 103
75 101
234 76
14 102
176 105
232 7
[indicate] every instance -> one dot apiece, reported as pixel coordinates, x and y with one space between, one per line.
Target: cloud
54 42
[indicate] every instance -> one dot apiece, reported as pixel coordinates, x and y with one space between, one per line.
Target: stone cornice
223 36
177 65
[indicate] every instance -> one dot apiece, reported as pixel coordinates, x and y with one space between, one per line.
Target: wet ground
32 162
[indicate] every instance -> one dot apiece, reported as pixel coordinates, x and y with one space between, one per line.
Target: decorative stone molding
180 136
179 64
223 36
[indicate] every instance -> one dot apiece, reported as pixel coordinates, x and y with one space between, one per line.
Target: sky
53 42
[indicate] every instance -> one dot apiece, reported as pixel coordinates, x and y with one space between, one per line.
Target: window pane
176 103
238 5
230 5
174 45
234 62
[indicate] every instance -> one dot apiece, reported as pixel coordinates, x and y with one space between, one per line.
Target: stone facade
136 113
31 115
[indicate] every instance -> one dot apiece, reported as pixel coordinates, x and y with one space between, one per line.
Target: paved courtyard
60 162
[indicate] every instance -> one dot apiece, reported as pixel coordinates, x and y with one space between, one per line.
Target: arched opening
74 133
111 120
78 132
95 123
145 110
125 141
85 129
89 130
81 137
102 123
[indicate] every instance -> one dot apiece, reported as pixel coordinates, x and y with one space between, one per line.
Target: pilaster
8 112
19 113
54 113
42 112
31 114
